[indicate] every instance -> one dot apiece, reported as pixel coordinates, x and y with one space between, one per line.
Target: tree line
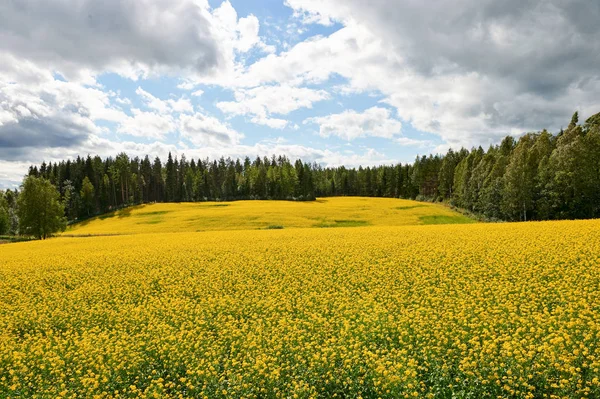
540 176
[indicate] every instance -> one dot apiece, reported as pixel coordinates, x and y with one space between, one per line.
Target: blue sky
330 81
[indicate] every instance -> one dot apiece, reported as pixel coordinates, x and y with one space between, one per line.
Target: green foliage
4 217
443 219
40 210
87 195
8 201
405 208
343 223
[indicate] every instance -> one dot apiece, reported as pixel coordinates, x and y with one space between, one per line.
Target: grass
154 213
7 239
343 223
408 207
153 221
445 219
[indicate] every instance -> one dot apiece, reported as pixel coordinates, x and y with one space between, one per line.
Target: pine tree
87 196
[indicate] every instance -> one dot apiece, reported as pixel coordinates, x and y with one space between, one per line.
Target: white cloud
261 102
410 142
470 73
325 157
350 125
131 37
169 116
370 157
147 124
204 130
38 111
165 106
273 123
247 28
315 11
181 105
123 101
152 102
248 36
11 173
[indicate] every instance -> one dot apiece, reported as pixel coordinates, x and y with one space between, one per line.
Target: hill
252 215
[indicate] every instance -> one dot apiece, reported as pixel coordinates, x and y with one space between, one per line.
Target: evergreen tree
4 217
171 179
87 196
543 176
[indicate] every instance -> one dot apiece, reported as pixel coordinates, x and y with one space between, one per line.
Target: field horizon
328 212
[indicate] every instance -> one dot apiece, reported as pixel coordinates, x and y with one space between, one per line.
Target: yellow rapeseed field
444 311
239 215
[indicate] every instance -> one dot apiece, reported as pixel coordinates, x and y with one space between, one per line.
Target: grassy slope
252 215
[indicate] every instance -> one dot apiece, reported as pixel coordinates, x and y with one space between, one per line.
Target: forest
540 176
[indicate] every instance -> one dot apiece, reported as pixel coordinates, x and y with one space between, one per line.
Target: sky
338 82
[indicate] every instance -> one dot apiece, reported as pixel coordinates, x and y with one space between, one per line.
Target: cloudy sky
334 81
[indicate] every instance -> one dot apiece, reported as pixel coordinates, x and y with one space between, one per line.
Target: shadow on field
406 208
342 223
442 219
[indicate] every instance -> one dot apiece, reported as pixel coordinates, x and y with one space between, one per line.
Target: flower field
243 215
444 311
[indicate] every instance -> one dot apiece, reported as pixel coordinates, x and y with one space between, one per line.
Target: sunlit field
444 311
240 215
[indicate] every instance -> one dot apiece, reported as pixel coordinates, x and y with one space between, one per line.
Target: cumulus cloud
38 111
350 125
164 117
273 123
11 173
207 130
410 142
470 71
165 106
40 114
541 46
263 101
147 124
130 36
248 28
317 11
